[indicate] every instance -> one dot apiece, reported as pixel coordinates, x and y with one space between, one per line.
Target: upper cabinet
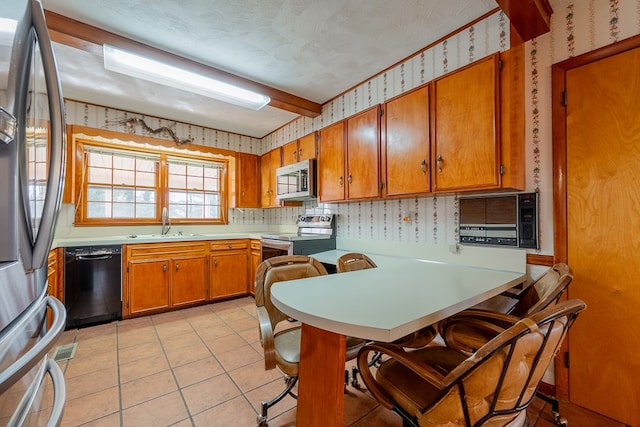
331 163
466 128
269 162
349 158
247 180
300 149
405 144
363 155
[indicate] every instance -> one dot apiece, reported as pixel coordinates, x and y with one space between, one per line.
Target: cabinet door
406 144
189 280
290 153
331 182
307 147
255 262
228 274
265 180
466 153
247 181
148 285
363 155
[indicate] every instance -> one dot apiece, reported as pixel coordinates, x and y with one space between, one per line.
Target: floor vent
65 352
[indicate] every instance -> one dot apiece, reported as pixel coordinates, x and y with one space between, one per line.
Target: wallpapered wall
577 27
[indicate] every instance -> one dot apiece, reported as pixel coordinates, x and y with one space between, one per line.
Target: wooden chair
281 345
439 386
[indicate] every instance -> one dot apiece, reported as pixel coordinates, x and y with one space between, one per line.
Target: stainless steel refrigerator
32 389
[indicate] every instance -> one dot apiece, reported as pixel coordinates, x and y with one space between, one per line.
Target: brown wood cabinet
405 144
162 276
466 123
255 262
55 273
300 149
331 163
228 268
247 180
269 162
363 155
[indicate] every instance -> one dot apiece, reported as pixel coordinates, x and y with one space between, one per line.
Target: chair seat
287 344
409 391
353 345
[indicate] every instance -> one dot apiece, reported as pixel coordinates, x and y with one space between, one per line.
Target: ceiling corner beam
530 18
88 38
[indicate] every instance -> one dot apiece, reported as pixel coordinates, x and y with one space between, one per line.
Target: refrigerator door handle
59 395
57 152
32 357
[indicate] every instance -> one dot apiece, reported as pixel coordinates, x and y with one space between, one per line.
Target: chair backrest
497 383
354 261
543 292
280 269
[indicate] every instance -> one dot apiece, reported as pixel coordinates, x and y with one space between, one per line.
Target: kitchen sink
162 236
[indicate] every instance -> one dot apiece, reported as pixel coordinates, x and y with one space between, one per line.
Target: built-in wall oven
316 233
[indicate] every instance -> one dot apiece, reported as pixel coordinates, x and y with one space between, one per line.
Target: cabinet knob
164 267
349 179
423 166
215 262
341 181
439 163
230 246
177 266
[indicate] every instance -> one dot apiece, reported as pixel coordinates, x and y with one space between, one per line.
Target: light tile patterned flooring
200 366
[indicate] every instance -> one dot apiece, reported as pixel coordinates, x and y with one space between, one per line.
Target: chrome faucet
166 221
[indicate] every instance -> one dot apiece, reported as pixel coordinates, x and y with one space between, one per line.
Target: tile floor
195 367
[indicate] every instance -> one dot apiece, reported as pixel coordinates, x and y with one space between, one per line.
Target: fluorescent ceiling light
148 69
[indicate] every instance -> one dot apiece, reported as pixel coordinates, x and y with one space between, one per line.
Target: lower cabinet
255 262
228 267
163 276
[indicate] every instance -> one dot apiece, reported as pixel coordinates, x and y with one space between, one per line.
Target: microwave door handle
57 147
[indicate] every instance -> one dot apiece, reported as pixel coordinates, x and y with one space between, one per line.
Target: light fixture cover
158 72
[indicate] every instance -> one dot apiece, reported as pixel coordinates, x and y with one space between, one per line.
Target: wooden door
363 155
307 147
228 274
148 285
603 233
290 153
248 181
331 182
466 146
189 280
406 144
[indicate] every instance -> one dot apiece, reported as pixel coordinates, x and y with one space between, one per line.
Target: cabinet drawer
155 249
220 245
255 245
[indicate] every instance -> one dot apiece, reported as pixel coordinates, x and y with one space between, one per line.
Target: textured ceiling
315 49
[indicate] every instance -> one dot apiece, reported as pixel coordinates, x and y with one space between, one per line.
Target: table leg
321 374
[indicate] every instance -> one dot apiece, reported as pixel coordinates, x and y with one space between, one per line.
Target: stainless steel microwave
500 220
296 181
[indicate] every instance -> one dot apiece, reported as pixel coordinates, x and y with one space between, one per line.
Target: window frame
203 154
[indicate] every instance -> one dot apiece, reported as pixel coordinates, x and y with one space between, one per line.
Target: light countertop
150 238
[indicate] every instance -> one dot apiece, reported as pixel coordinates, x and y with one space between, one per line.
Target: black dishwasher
92 284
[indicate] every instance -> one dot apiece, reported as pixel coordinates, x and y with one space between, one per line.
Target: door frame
559 147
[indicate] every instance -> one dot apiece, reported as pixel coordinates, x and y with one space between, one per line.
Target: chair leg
555 409
290 382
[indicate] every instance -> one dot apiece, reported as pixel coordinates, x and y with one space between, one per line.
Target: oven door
271 248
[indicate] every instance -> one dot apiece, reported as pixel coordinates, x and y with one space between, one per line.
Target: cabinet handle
439 163
341 181
164 267
423 166
242 192
230 246
349 179
300 153
177 266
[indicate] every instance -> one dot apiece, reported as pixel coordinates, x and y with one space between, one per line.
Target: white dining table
381 304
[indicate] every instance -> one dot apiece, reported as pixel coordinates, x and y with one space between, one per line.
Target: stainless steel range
316 233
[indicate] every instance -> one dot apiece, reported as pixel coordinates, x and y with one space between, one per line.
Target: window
131 186
121 185
194 189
